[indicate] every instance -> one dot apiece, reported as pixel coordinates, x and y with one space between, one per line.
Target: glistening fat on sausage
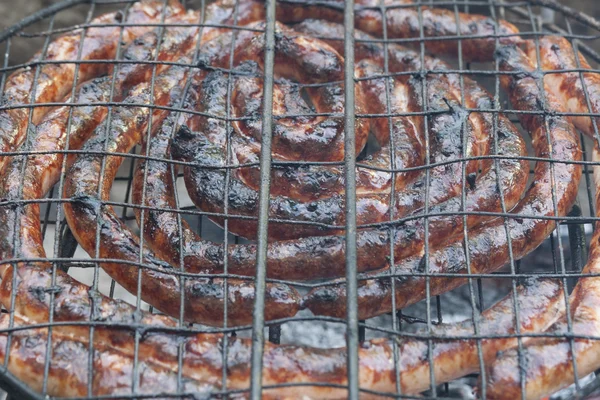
88 188
539 303
554 138
56 79
551 361
311 258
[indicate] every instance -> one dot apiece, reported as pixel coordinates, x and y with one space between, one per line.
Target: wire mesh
567 245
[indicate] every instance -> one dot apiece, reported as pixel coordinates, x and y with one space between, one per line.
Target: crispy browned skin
302 253
68 375
557 54
298 59
204 298
324 257
488 245
31 177
539 302
310 139
403 23
405 137
55 80
175 41
161 229
550 362
310 183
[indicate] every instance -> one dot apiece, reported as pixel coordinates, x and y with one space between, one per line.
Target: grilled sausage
159 45
55 79
312 258
404 22
557 54
307 139
374 344
550 361
69 369
488 245
298 58
539 302
30 177
87 186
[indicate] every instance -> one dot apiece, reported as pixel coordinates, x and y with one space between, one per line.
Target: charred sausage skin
55 80
488 244
87 188
540 301
298 259
551 361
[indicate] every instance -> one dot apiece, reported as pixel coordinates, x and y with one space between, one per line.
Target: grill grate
573 227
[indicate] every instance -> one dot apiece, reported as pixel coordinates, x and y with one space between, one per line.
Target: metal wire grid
65 245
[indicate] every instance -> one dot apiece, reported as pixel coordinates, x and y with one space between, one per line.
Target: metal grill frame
65 244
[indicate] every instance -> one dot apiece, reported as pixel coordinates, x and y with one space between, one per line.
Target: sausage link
550 361
55 79
557 54
69 368
405 22
488 245
85 211
540 300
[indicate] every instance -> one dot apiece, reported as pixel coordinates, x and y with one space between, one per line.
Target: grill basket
561 256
